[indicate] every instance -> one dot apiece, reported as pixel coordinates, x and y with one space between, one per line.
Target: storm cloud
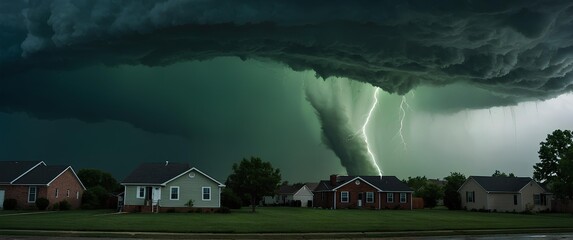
502 53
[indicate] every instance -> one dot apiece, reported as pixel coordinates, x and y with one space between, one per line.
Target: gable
303 191
192 173
11 171
355 183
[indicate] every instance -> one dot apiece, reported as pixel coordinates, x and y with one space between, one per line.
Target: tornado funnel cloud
332 103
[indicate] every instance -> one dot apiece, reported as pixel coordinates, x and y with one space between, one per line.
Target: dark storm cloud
521 49
515 50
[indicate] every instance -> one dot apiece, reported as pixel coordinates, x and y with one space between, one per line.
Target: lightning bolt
364 132
403 103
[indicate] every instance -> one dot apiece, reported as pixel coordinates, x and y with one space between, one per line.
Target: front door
155 195
359 199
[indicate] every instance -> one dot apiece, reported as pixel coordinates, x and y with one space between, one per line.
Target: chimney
333 178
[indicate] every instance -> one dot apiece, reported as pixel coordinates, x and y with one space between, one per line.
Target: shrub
10 204
65 205
230 200
223 210
42 203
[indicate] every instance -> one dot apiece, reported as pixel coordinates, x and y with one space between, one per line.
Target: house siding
481 199
323 199
304 195
190 188
503 202
130 196
396 204
528 191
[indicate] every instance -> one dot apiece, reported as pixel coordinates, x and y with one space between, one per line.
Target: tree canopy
452 199
556 166
497 173
255 178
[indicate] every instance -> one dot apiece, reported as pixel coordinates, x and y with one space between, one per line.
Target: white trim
354 179
406 199
171 193
26 172
387 197
203 194
366 197
137 192
193 169
35 194
347 196
75 175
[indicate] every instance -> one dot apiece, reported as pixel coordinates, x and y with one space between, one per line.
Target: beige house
504 194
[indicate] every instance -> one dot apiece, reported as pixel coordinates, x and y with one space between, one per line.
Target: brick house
368 192
27 181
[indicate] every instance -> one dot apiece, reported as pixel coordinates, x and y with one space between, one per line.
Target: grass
282 220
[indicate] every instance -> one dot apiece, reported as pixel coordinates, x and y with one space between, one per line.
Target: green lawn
284 220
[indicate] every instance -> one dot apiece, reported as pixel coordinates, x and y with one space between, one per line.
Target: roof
501 184
41 175
311 186
12 170
288 189
384 183
155 173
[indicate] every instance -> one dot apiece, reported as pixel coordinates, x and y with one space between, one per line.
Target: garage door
1 198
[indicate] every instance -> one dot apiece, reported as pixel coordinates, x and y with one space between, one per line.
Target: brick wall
66 181
354 191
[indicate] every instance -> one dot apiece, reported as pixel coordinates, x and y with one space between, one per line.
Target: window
539 199
206 193
57 192
68 193
403 197
32 192
140 192
369 197
77 195
174 193
470 197
344 197
389 197
514 199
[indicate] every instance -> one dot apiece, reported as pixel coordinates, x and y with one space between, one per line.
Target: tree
431 192
497 173
425 189
556 166
254 178
99 187
452 199
417 184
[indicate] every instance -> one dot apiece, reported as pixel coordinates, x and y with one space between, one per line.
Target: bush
10 204
309 203
95 198
223 210
42 203
230 200
65 205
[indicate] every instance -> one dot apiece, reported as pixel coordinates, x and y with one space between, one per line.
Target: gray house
160 187
505 194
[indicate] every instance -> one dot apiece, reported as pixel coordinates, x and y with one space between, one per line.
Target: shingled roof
385 183
501 184
155 173
41 175
11 170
